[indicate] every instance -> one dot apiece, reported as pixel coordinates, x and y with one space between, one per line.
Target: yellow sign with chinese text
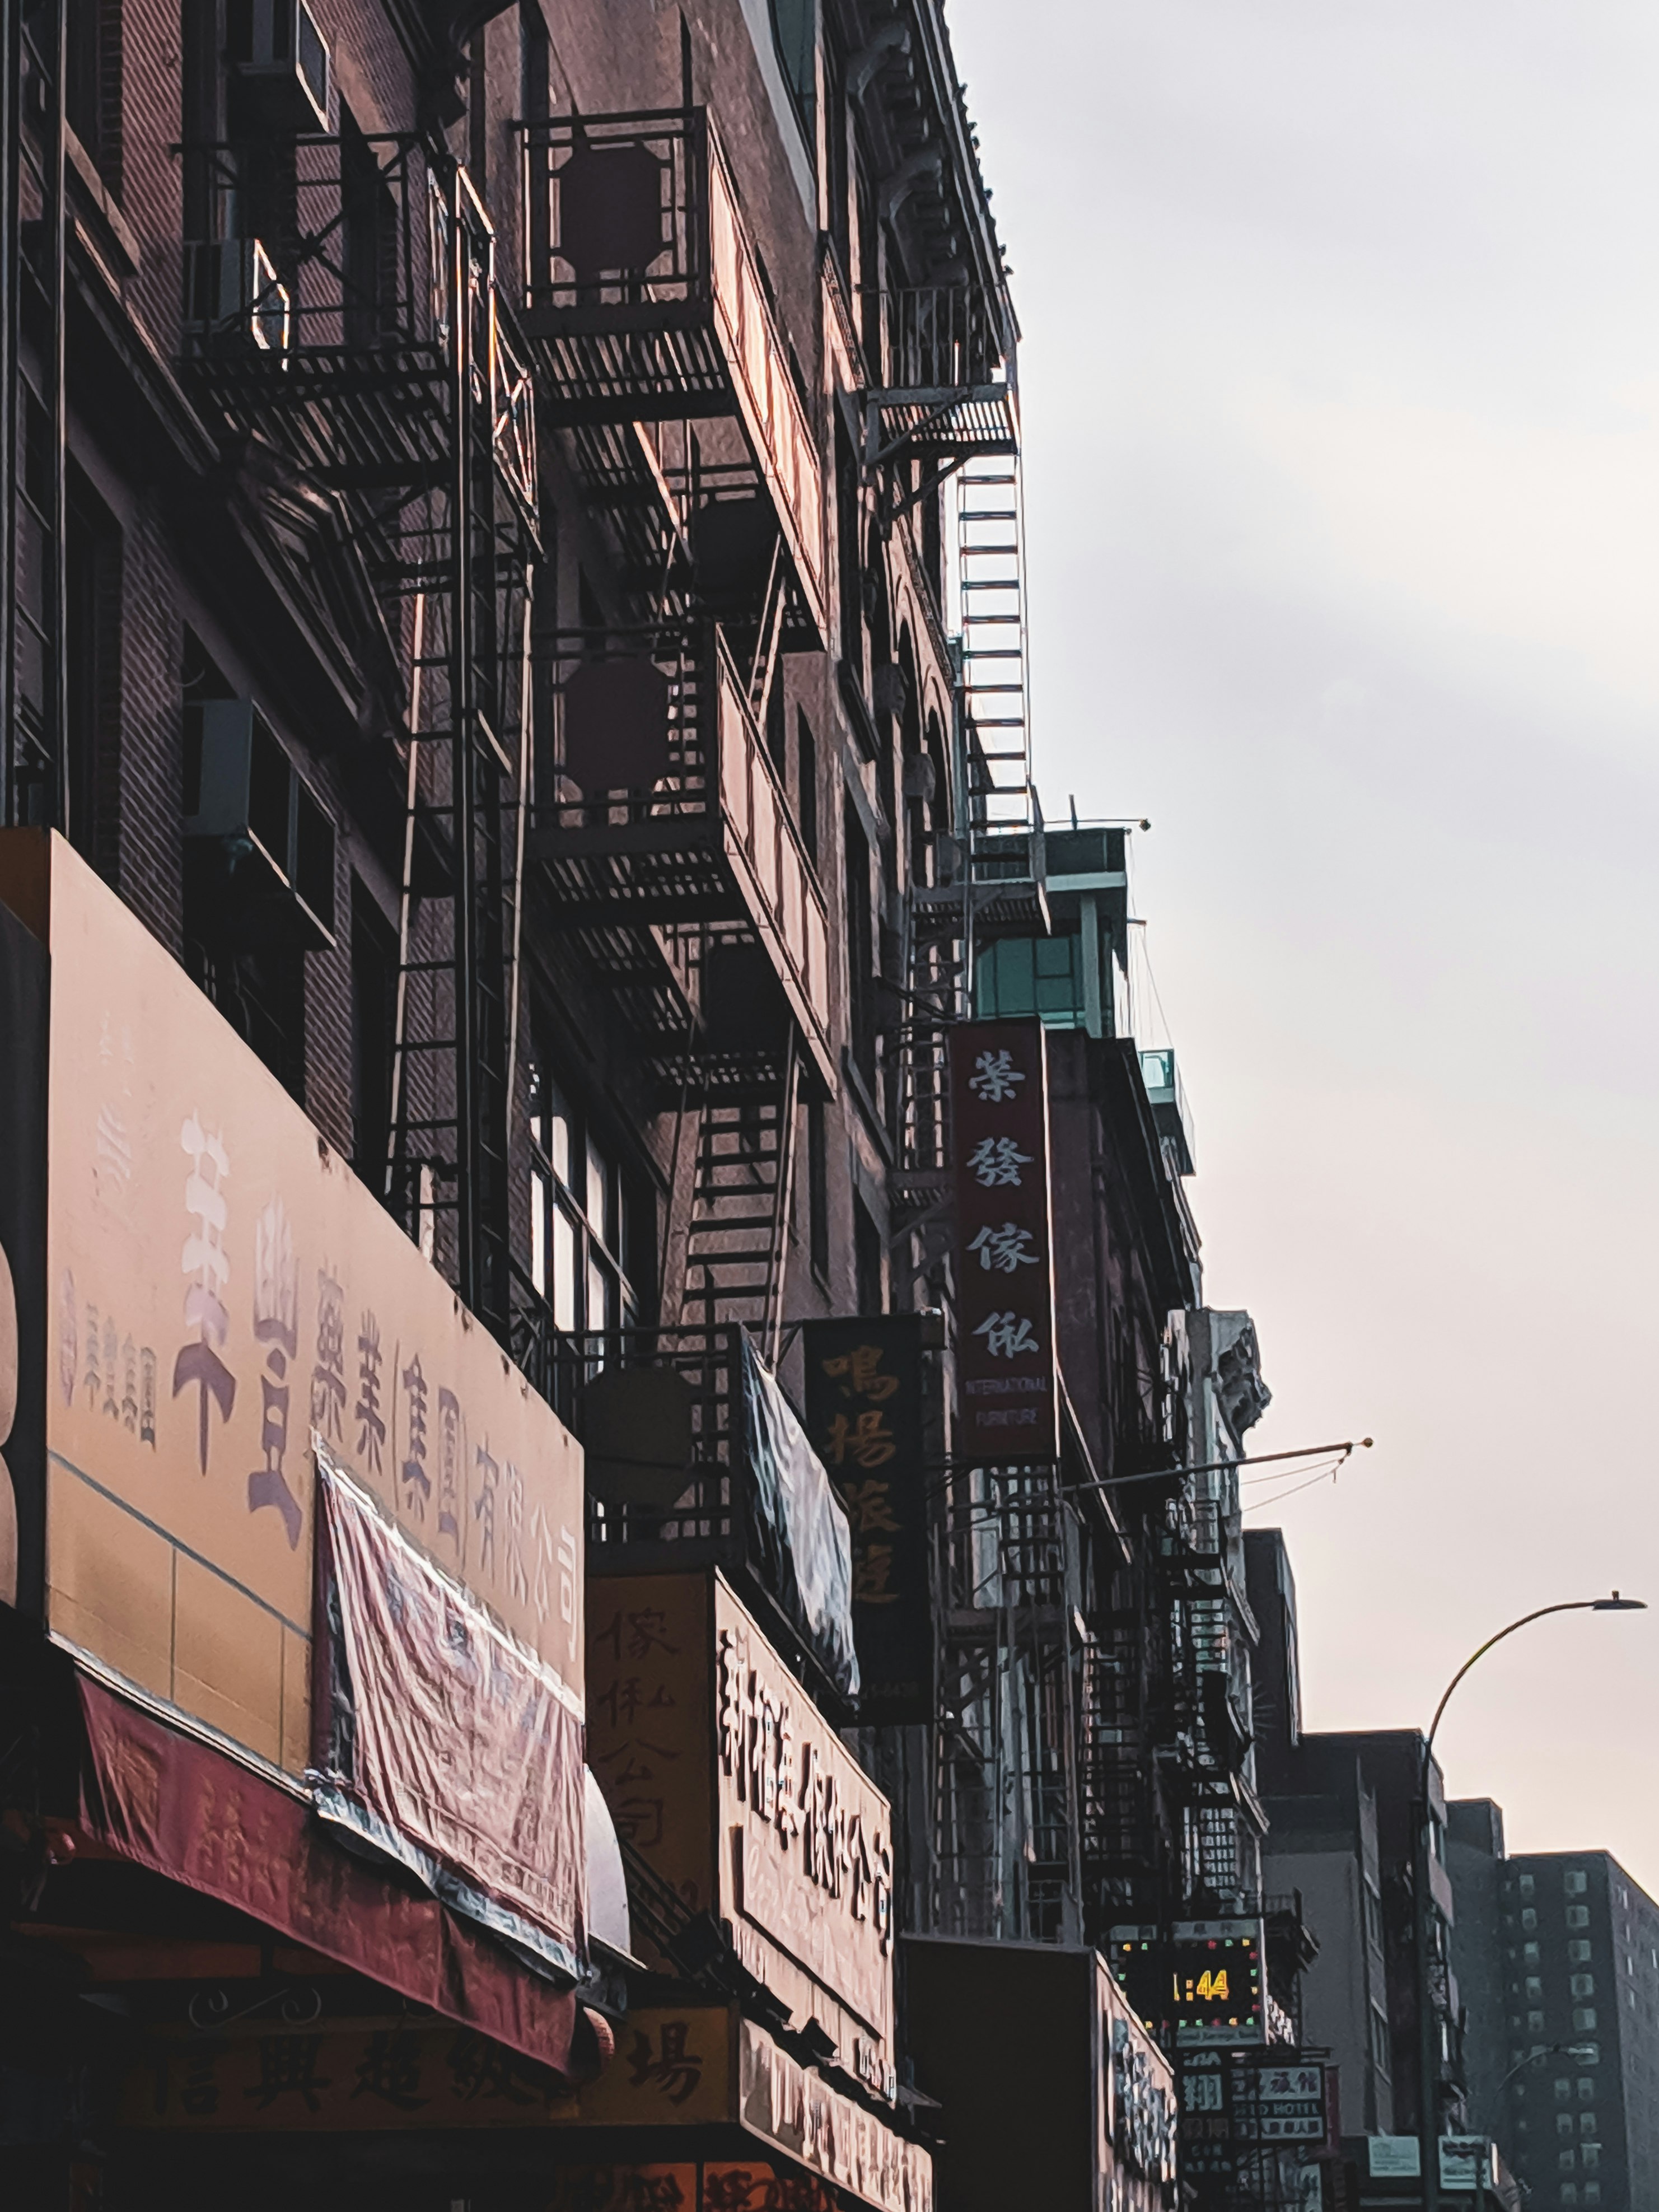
219 1288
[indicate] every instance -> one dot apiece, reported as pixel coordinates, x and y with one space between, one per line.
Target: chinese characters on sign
865 1417
1006 1358
720 1769
671 2069
219 1288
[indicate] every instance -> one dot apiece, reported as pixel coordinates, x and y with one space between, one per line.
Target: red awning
164 1801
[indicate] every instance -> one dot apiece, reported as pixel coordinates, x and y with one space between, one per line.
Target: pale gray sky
1340 386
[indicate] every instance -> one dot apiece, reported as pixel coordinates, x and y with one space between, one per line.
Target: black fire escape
663 840
34 675
343 316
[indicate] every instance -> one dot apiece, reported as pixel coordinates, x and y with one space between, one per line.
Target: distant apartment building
1578 1951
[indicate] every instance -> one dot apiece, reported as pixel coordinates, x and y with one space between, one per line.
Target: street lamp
1428 2037
1583 2052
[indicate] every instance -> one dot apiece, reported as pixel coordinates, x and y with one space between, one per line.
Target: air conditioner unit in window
248 809
280 61
232 294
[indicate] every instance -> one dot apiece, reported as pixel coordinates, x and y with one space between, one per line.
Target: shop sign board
1394 2158
794 2109
219 1288
23 1003
720 1771
673 2067
865 1417
1465 2162
709 2185
1245 2099
1005 1354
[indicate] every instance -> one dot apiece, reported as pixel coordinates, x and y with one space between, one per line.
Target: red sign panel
1005 1272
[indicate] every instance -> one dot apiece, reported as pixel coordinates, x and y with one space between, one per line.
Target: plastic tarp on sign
798 1535
443 1741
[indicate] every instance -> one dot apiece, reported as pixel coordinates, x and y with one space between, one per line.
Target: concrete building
1341 1811
1565 2073
513 741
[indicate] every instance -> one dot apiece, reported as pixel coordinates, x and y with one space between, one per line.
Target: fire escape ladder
470 550
1114 1778
737 1234
989 592
34 650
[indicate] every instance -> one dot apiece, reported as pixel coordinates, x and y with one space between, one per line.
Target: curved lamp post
1581 2051
1428 2039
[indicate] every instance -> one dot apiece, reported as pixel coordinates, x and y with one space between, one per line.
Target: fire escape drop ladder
452 1088
34 646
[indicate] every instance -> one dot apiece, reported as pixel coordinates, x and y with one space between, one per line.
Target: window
1534 2023
1530 1918
867 1258
1563 2090
1567 2162
581 1218
1592 2192
1587 2124
373 1007
1373 1917
1529 1952
1589 2156
1575 1882
1564 2124
1578 1916
260 990
1583 2016
92 555
91 87
1579 1952
1379 2041
860 951
794 37
807 785
1528 1886
1535 1989
818 1189
1582 1985
1569 2193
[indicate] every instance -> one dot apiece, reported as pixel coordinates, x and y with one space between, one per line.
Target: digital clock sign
1198 1984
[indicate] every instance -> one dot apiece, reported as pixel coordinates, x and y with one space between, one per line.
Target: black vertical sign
23 1010
866 1385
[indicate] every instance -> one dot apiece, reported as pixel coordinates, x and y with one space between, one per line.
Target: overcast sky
1340 386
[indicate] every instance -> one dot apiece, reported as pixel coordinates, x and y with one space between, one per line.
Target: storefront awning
164 1800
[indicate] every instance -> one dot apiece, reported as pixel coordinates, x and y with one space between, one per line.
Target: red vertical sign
1004 1266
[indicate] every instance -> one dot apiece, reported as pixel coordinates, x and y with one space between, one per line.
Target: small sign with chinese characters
673 2068
720 1769
866 1385
1005 1356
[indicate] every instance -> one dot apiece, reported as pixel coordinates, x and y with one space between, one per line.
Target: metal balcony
945 391
710 1490
317 313
646 302
661 817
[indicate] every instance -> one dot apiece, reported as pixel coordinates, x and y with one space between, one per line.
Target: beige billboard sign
219 1288
718 1767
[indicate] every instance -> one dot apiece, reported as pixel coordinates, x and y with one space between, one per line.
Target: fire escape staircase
362 334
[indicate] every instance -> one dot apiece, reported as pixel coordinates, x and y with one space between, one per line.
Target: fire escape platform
647 303
944 423
670 814
354 417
